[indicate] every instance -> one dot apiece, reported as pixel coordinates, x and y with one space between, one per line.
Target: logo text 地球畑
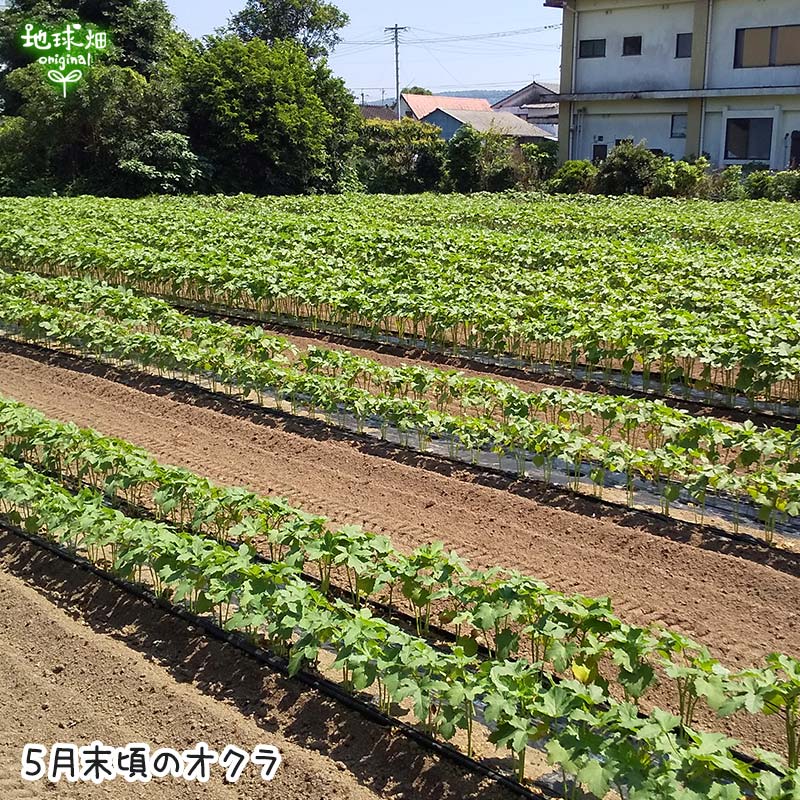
66 52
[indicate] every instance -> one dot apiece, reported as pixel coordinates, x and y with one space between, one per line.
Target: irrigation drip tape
632 384
279 665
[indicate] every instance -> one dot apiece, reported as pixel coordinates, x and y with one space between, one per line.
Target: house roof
532 93
378 112
499 121
423 104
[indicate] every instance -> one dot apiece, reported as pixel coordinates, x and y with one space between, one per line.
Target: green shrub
573 177
628 169
483 161
538 163
690 177
464 159
786 185
760 185
678 178
401 157
727 184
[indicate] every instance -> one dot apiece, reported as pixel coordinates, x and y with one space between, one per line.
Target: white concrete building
720 77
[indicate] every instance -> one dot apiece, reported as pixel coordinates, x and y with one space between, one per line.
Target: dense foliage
666 296
265 118
634 169
313 23
164 115
404 157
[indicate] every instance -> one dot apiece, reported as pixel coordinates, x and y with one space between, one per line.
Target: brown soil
81 660
740 609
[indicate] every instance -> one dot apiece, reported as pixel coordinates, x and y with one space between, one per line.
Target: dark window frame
681 39
672 134
738 51
749 155
590 48
632 40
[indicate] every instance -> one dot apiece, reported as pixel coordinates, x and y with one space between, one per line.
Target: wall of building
655 69
784 111
639 120
729 15
651 121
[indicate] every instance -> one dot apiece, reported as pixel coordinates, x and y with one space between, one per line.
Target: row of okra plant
534 636
682 454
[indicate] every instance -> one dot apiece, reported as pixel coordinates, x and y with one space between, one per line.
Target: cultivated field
266 411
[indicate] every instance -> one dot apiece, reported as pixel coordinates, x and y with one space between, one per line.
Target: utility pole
395 30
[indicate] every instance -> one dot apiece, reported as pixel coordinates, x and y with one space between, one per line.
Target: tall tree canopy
315 24
415 90
121 130
141 31
161 113
266 118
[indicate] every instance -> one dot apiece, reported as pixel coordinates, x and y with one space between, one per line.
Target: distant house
535 104
417 106
386 113
451 121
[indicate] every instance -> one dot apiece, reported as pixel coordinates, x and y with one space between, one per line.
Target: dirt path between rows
81 661
741 610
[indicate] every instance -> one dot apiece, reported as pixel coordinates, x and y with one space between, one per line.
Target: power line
435 58
439 39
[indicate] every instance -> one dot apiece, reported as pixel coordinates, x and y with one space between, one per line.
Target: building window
787 46
592 48
599 153
683 45
767 47
632 46
749 139
680 122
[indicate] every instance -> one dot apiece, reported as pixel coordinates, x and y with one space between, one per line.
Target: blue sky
503 62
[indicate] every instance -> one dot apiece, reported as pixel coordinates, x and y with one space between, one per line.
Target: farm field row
723 468
589 715
168 684
556 635
696 597
653 294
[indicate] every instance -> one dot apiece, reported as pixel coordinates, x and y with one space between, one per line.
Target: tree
80 144
401 157
498 170
343 140
416 90
485 161
313 23
464 159
161 162
141 31
538 163
258 116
